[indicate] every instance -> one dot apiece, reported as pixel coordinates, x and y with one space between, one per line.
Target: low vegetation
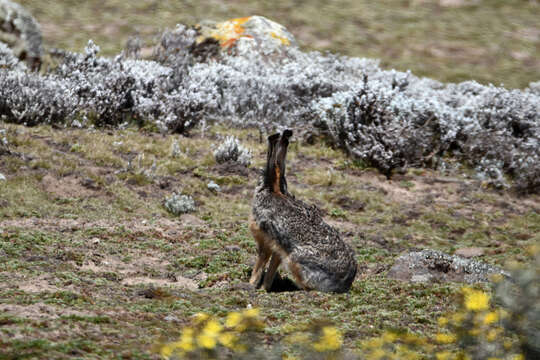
127 173
97 267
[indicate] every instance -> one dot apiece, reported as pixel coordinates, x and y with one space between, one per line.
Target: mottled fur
290 231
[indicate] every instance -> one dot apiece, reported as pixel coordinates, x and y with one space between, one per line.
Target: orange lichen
283 40
228 32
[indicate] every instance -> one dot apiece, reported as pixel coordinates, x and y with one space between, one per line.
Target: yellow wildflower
200 317
445 338
493 334
458 318
330 340
389 337
212 327
476 300
227 339
208 338
413 339
491 317
442 321
206 341
289 357
166 350
233 319
377 354
251 313
518 357
186 340
443 355
374 343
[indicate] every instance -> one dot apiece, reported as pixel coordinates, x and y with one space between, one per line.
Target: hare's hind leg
264 251
271 271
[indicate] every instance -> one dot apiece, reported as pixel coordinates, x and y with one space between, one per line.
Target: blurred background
490 41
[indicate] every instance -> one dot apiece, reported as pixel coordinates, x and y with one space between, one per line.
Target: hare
290 231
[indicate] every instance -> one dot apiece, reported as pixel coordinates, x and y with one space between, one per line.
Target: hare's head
274 173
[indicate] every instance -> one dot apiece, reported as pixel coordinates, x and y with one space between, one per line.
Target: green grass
83 213
493 41
69 255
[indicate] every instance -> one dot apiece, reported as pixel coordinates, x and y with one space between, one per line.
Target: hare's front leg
264 251
271 272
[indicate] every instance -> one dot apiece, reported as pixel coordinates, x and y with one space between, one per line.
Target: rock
2 177
21 32
245 34
171 318
469 252
435 266
212 186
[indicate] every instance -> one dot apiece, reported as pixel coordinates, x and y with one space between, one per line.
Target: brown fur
292 232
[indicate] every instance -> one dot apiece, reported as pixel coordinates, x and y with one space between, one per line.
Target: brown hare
290 231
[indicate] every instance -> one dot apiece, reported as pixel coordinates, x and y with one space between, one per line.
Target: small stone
2 177
212 186
469 252
95 241
421 278
170 318
233 248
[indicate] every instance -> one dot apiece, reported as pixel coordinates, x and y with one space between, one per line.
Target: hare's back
324 261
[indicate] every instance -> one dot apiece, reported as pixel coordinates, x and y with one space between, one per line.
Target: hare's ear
281 151
287 134
281 154
269 171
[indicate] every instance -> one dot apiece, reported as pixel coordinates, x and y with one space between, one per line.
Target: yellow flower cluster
475 329
391 345
475 300
206 334
330 340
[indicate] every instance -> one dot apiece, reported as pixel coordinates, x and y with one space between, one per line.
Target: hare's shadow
281 284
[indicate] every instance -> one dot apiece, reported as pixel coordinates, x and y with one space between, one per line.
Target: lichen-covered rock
246 34
21 32
435 266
